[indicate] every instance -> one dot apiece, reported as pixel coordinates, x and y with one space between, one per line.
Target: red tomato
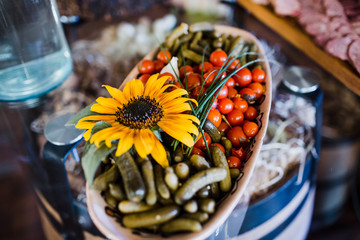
196 92
237 136
186 69
258 88
197 151
200 143
158 65
230 82
223 128
240 104
214 117
258 75
193 80
232 92
225 105
147 67
239 153
215 104
219 146
234 162
243 77
164 56
144 78
234 64
250 129
251 113
223 92
171 78
205 67
235 117
218 57
248 94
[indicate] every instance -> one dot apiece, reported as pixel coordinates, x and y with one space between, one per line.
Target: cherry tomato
171 78
237 136
240 104
144 78
218 57
258 75
250 129
239 153
158 65
223 128
164 56
248 94
232 92
258 88
193 80
177 84
251 113
205 67
219 146
230 82
147 67
225 105
234 162
187 69
235 117
197 151
243 77
200 143
210 76
215 104
215 117
196 92
234 64
223 92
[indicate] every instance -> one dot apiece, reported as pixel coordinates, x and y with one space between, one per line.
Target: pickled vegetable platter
224 75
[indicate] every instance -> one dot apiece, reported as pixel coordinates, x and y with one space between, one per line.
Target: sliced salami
338 47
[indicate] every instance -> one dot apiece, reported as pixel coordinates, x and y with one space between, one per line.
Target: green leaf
92 157
83 113
99 126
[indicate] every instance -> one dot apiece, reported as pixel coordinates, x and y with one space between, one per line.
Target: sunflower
136 111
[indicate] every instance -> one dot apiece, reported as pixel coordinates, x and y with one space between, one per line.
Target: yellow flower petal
116 93
85 125
87 135
143 142
151 84
174 131
185 126
166 97
125 144
159 153
102 109
109 103
106 118
182 117
133 88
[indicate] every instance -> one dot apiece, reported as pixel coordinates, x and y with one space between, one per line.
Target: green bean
214 189
116 191
178 154
148 174
219 159
236 45
199 162
181 225
201 26
204 192
253 50
133 183
176 33
227 145
182 170
101 182
109 199
197 181
198 216
171 179
207 205
191 206
193 56
152 217
159 182
234 172
127 206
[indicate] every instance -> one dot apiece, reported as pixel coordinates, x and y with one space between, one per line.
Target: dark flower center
140 112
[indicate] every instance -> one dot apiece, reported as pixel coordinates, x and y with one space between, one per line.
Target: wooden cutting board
341 70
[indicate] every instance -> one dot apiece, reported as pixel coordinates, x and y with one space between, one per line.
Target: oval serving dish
113 229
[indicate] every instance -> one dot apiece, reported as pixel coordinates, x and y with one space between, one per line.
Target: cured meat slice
338 47
333 8
354 54
316 28
309 16
286 7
